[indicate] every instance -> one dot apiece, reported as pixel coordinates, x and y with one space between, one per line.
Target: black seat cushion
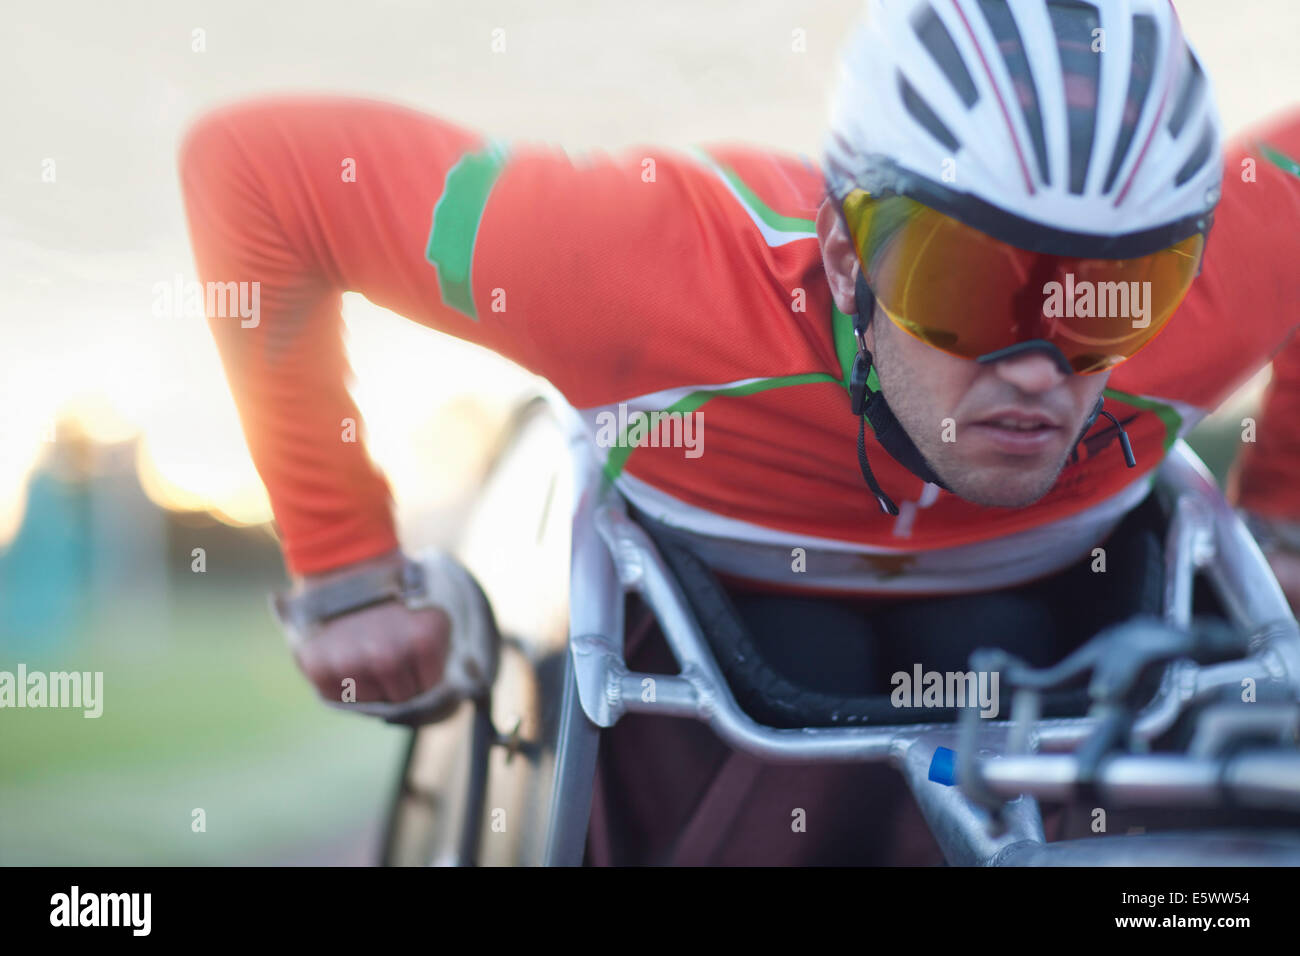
801 661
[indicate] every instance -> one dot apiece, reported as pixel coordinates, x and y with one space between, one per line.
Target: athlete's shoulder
1242 307
785 188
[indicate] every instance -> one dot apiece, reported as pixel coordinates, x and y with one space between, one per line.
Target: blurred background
120 452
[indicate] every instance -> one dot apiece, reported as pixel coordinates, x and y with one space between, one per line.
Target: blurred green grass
207 711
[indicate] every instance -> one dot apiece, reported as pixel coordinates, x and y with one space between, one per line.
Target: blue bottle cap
943 766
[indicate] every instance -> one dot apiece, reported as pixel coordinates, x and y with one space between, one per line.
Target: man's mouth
1018 433
1017 419
1018 425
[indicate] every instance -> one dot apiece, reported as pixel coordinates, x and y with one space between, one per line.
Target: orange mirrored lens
961 290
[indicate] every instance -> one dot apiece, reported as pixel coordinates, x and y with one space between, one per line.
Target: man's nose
1030 372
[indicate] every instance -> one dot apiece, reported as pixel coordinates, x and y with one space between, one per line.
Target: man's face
997 434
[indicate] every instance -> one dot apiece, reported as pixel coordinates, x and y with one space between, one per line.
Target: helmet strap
870 407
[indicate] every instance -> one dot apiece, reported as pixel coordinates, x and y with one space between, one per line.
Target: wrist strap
351 592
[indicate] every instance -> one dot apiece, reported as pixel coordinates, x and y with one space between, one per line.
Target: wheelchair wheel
475 788
437 811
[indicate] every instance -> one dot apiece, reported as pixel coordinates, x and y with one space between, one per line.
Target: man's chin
994 488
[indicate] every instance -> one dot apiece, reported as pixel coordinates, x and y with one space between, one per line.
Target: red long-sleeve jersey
663 281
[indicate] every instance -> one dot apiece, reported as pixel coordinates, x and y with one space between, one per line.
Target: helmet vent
1193 81
1139 86
934 36
923 114
1198 157
1003 25
1073 24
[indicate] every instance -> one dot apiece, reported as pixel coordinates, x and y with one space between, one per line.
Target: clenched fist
409 661
391 653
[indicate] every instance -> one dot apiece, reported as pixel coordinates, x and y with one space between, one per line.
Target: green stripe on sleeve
1280 159
770 217
456 218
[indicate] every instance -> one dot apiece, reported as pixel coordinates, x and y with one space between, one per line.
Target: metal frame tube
613 555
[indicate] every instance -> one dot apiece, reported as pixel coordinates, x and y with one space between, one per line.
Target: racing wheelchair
1179 709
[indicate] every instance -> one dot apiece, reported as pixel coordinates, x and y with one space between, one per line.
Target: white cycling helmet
982 151
1046 123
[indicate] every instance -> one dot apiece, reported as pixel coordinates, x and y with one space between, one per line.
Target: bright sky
104 91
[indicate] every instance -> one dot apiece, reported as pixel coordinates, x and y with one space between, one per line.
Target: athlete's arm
1242 311
564 267
569 268
1266 477
306 197
1265 480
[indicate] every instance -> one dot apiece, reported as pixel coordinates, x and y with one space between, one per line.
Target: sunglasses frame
1052 239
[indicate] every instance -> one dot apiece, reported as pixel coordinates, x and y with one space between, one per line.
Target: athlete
945 362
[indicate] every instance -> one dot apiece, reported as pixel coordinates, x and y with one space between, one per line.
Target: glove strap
351 592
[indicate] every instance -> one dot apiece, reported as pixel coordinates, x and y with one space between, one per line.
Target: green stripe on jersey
756 207
456 218
765 212
846 343
1280 159
618 455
